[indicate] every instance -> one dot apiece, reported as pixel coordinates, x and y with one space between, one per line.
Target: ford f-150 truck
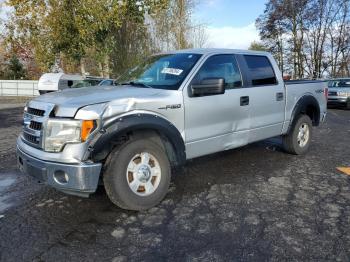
172 107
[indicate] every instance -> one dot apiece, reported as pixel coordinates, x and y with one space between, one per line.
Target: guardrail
19 88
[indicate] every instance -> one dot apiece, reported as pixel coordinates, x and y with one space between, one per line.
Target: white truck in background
52 82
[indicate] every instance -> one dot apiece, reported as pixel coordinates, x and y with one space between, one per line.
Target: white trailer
51 82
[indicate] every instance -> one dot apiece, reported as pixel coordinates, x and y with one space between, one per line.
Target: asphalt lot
250 204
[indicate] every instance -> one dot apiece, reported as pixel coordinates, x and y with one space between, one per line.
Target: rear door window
260 70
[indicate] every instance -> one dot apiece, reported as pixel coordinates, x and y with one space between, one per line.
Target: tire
348 105
128 174
291 143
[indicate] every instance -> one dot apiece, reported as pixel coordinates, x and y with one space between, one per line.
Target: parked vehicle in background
339 92
172 107
51 82
107 82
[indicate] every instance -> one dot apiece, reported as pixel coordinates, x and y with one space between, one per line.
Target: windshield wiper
132 83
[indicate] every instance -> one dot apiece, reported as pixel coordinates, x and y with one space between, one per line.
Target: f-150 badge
171 107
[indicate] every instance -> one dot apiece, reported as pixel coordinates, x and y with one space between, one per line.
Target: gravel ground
7 102
250 204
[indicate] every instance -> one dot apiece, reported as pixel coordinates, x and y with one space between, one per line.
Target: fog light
60 177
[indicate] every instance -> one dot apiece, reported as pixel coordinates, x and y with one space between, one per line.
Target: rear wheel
297 141
137 176
348 105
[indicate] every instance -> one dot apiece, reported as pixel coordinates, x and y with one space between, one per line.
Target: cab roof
204 51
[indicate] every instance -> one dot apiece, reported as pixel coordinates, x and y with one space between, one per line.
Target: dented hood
68 101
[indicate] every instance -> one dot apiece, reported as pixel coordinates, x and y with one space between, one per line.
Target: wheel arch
130 126
307 105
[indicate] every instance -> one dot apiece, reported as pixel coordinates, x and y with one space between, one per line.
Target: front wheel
137 175
298 140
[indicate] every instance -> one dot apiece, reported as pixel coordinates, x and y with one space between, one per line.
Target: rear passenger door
266 97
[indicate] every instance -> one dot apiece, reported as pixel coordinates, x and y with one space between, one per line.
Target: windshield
161 71
339 83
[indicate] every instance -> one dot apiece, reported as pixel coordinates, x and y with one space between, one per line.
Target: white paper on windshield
172 71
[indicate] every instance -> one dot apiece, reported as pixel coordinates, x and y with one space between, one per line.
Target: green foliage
15 69
98 36
257 46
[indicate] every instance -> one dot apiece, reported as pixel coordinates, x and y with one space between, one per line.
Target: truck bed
316 88
296 82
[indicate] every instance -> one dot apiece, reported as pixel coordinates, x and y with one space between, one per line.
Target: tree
15 69
257 46
308 37
172 27
73 31
272 30
99 36
198 36
29 26
2 60
181 20
132 39
339 38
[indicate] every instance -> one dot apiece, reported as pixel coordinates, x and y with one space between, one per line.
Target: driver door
216 122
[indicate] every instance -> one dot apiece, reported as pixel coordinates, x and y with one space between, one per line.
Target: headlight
59 132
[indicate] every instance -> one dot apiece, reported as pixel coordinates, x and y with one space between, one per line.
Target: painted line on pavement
345 170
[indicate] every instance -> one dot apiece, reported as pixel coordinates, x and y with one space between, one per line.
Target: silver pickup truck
172 107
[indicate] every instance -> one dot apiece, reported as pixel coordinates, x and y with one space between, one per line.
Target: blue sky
237 13
230 23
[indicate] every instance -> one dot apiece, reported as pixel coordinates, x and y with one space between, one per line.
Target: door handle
244 100
279 96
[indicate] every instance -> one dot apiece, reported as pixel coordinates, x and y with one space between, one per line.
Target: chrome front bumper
75 179
337 99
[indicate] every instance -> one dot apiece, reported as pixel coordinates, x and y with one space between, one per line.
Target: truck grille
31 138
332 93
35 112
34 118
35 125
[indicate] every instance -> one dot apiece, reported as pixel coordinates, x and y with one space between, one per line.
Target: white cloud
211 2
232 37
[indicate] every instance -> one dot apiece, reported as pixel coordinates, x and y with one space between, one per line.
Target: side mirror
209 86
